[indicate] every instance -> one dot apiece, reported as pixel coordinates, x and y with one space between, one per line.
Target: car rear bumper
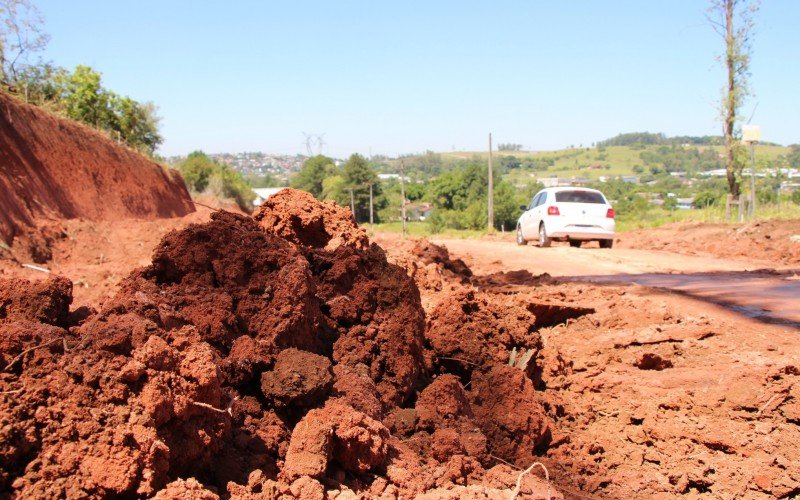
581 233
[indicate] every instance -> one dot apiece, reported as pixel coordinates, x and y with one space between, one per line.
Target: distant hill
641 156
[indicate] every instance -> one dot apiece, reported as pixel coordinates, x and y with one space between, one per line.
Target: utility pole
370 204
491 188
751 135
403 195
352 204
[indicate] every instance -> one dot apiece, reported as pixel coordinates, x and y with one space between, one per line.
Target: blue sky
402 77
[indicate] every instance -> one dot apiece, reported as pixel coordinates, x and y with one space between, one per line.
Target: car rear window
579 197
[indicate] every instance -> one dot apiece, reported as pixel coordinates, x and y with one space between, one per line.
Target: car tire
520 238
575 243
544 240
606 243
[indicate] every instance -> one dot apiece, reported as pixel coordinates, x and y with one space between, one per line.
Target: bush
796 197
705 199
204 175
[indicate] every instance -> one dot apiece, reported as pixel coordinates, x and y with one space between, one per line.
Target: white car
567 214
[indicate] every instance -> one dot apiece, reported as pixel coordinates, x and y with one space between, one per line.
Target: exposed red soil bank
777 241
52 168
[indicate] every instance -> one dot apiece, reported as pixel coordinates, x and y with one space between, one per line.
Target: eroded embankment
52 168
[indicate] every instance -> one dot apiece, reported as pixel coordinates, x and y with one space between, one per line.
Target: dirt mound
253 364
468 329
298 217
431 253
54 168
776 241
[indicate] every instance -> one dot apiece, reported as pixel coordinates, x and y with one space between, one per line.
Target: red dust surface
285 356
776 241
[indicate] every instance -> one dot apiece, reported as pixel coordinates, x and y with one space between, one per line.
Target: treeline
348 184
77 94
458 195
81 96
650 139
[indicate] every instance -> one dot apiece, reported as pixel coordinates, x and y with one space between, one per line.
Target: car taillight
553 211
610 213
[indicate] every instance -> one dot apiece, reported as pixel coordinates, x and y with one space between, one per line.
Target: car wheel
575 243
606 243
520 239
544 240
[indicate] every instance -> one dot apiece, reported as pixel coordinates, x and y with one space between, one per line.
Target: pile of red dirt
254 358
53 169
770 240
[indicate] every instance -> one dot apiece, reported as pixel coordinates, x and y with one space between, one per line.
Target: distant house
418 211
263 193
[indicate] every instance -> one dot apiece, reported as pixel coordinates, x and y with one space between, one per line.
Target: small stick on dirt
769 401
503 461
26 351
228 409
208 406
36 268
207 206
526 471
459 359
12 392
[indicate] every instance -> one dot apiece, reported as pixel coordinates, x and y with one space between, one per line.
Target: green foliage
79 95
793 157
313 173
204 175
358 175
196 170
705 199
796 197
460 199
262 181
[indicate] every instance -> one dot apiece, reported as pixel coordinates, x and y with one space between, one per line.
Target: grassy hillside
593 162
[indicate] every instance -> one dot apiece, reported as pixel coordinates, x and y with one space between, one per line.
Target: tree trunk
731 104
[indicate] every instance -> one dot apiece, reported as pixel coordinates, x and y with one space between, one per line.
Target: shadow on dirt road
765 295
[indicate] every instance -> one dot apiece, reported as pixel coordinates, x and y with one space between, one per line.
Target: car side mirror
523 207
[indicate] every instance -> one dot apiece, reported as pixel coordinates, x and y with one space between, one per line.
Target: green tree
83 96
313 173
705 199
733 21
358 176
196 170
204 175
137 123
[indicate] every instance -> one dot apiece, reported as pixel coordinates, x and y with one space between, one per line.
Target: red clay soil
776 241
298 217
52 168
255 364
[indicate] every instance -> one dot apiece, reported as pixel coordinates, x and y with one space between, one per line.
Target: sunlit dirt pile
279 355
430 266
771 240
53 169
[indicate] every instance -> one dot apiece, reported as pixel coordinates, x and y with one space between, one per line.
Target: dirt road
755 288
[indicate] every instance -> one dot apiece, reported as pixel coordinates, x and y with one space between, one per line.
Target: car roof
570 188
